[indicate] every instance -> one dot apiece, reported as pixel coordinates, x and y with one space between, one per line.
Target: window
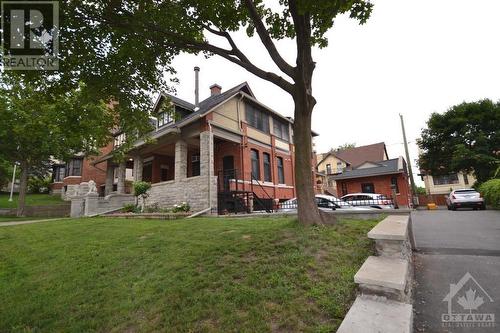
344 188
195 165
257 118
280 129
58 172
267 167
74 167
339 167
165 118
367 188
163 174
254 155
394 182
281 171
120 139
328 169
466 179
445 179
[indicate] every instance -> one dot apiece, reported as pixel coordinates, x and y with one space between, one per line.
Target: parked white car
369 200
465 198
324 202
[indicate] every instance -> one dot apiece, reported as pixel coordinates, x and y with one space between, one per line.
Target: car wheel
449 208
483 207
453 207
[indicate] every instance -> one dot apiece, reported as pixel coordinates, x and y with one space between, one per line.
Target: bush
141 189
491 192
38 185
131 208
183 207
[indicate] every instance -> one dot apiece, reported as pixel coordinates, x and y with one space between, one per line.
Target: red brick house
226 153
376 177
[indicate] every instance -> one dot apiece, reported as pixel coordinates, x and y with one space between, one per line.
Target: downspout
241 142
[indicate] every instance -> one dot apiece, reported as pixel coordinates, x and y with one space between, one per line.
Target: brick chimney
215 89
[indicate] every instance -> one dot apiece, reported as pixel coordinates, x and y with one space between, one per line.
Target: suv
465 198
371 200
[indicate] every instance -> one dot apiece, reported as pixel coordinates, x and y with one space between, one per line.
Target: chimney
215 89
196 86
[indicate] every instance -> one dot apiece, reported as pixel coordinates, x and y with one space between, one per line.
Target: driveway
449 245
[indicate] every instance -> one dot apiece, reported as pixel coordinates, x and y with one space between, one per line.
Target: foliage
223 275
491 192
347 145
465 138
35 199
182 207
141 189
39 185
421 190
131 208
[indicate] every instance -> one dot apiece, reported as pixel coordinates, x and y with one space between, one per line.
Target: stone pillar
180 160
77 207
121 177
110 177
91 204
206 153
138 164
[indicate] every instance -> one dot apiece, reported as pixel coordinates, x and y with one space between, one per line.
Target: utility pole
412 181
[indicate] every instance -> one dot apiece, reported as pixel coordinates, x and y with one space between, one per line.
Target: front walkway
460 248
6 224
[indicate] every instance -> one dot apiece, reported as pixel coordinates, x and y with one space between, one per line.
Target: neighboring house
227 153
377 177
444 184
336 162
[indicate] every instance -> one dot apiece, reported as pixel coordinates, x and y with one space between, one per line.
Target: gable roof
387 167
358 155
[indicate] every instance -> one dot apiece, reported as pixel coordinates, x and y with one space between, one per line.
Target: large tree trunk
23 187
308 211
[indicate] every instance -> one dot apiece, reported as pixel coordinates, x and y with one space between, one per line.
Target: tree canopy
464 138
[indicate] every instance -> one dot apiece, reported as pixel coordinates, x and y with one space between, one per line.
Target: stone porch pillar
138 164
206 153
110 175
181 151
122 167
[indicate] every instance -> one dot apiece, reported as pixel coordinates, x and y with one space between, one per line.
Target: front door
228 171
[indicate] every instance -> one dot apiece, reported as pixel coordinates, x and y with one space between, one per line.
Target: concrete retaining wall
40 211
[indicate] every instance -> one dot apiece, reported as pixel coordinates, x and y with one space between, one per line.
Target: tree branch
267 41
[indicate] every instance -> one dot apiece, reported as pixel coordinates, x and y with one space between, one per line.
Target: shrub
141 189
491 192
183 207
38 185
131 208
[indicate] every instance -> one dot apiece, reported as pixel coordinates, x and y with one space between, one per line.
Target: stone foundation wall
193 190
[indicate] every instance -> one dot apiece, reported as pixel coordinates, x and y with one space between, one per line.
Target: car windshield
465 191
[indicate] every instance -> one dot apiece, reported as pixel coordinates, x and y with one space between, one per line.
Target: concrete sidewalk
7 224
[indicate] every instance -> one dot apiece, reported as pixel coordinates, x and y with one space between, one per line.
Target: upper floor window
339 167
120 139
254 155
165 118
445 179
394 182
257 118
58 172
280 129
74 167
328 169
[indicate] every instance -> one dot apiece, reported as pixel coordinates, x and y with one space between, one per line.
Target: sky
411 58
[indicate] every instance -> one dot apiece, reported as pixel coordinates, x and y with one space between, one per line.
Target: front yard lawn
191 275
31 200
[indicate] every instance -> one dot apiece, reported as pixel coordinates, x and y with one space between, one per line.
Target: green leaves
465 138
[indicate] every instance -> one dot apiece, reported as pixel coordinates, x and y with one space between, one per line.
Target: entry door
228 170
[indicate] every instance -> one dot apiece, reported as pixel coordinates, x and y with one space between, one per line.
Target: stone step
393 227
384 276
377 315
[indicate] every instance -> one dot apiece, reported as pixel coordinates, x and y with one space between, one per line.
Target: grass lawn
191 275
31 200
16 219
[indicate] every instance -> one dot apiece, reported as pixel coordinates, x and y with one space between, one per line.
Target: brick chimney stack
215 89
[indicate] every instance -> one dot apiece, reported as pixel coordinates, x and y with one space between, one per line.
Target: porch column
206 153
110 175
138 164
121 178
180 160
